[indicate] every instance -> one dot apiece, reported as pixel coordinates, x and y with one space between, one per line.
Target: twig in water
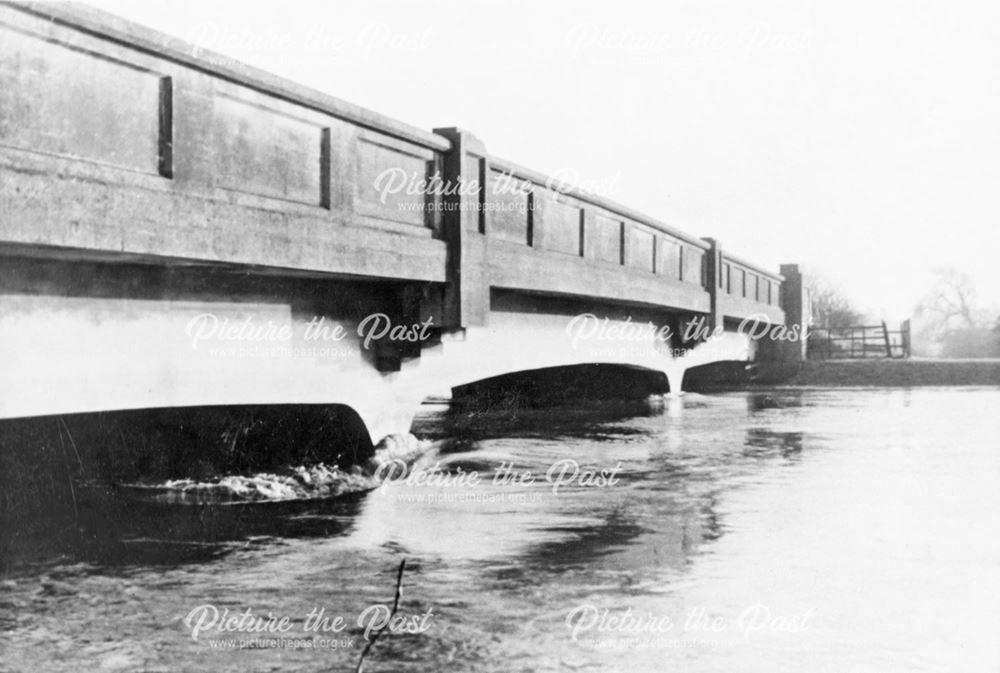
71 442
395 606
69 477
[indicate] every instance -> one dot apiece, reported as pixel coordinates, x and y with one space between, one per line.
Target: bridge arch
564 384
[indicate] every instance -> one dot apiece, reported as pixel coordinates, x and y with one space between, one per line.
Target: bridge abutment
790 347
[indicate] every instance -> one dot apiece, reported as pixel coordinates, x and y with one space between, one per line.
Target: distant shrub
970 342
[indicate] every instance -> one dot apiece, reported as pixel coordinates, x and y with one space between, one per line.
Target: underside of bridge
130 371
564 385
84 334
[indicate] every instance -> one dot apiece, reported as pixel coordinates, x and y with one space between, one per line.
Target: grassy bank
889 373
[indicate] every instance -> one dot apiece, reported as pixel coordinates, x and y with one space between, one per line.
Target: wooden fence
859 341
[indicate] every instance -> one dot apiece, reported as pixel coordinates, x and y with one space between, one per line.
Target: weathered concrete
146 185
177 157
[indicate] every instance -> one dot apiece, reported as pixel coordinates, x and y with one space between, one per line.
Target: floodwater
811 530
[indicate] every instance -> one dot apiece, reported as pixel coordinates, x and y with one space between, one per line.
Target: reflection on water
843 530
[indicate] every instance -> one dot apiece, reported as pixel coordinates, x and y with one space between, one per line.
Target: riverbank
883 373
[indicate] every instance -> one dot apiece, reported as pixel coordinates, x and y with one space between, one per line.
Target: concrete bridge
177 229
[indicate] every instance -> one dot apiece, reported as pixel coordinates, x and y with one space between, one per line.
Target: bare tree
830 306
951 303
953 324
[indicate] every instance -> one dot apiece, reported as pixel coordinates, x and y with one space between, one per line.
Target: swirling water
789 530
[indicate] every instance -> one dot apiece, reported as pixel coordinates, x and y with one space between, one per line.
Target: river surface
810 530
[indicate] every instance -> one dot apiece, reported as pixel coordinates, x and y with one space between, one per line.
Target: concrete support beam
713 270
795 304
467 287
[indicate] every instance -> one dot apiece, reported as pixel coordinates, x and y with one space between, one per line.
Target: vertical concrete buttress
713 266
795 304
465 223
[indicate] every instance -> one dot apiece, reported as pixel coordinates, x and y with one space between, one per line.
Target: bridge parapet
746 290
525 231
118 143
658 264
115 138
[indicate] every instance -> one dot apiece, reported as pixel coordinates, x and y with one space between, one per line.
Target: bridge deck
119 143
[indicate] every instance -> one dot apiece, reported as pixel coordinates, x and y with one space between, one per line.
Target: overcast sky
857 138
